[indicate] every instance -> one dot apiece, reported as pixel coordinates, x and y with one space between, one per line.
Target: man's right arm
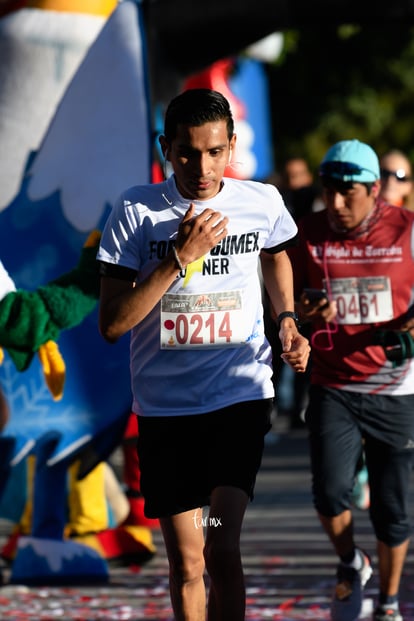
124 304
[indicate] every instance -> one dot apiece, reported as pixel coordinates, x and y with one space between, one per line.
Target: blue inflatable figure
97 143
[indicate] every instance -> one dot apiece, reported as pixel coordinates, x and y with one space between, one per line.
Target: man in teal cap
360 253
351 160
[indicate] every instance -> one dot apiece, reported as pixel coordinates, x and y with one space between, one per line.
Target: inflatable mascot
61 72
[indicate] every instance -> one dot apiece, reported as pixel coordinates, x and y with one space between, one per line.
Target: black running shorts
184 458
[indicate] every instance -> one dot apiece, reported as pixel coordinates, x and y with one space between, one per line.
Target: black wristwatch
290 314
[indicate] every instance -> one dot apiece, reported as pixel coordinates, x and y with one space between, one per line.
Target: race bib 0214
191 321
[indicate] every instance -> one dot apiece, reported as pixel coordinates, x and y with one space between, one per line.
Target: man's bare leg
227 597
184 542
390 565
340 531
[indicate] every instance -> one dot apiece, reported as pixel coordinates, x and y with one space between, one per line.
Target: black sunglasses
342 169
399 174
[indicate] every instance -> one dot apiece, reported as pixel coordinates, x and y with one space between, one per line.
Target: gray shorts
183 458
341 424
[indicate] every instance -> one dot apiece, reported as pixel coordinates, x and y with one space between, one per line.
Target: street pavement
289 565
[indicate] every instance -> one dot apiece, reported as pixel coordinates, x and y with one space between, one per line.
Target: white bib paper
191 321
362 300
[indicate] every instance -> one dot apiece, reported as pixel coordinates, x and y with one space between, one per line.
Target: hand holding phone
315 295
315 304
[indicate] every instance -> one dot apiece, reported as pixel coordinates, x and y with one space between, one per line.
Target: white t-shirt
203 346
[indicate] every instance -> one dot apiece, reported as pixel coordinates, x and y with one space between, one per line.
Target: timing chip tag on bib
194 321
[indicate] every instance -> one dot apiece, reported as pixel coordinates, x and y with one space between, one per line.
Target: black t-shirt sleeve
117 271
283 246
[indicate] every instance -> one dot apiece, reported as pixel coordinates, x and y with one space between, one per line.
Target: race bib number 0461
192 321
362 300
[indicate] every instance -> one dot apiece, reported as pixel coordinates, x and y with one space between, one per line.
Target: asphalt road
289 566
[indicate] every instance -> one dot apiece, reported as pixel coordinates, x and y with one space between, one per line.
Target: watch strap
290 314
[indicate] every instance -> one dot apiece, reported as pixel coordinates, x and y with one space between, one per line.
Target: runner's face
348 204
396 183
199 156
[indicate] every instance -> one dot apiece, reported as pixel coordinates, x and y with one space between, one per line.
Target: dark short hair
342 186
197 106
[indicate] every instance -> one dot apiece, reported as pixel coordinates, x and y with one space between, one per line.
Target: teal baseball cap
351 160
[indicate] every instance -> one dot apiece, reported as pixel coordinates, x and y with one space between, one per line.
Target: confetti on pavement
289 566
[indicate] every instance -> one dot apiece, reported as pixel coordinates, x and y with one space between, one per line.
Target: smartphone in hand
314 295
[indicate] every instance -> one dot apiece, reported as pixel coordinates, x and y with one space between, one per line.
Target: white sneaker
382 613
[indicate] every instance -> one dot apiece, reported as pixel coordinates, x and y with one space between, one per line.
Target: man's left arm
278 280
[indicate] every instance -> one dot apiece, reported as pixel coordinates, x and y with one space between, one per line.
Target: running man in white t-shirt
180 271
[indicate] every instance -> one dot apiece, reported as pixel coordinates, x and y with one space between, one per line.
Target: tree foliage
335 83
